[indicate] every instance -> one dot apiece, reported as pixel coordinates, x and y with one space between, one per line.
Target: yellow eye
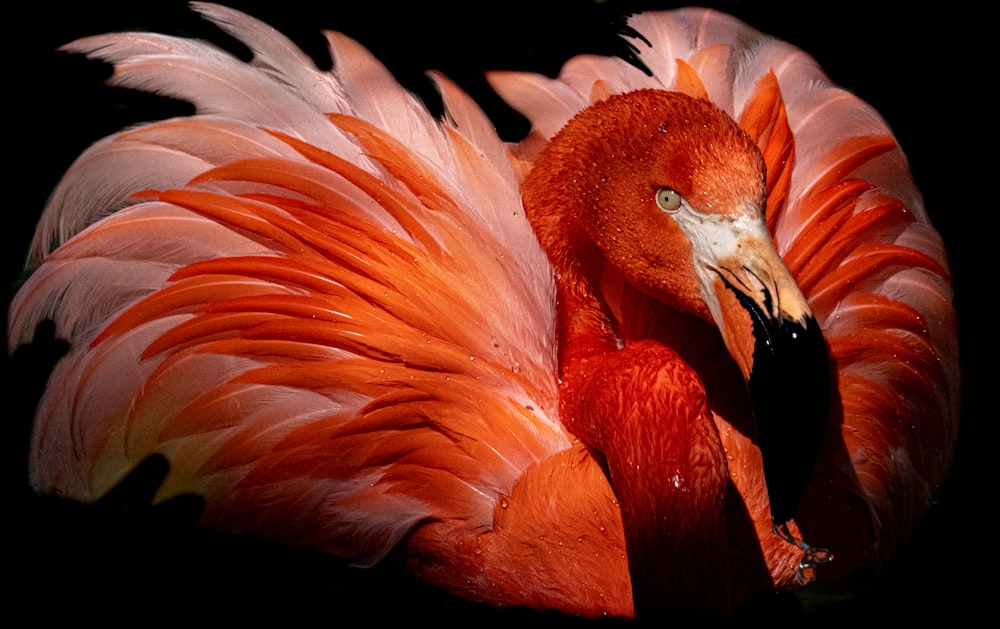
668 200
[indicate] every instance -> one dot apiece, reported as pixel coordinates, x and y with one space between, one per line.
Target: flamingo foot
812 556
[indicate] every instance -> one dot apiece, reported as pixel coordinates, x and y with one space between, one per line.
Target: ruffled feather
324 267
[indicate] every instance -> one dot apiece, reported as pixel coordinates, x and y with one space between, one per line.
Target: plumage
324 263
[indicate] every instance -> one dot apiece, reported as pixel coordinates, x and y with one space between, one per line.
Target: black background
926 71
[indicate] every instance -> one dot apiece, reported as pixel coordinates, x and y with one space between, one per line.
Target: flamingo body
335 318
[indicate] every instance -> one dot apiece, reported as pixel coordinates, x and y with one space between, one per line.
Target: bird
338 321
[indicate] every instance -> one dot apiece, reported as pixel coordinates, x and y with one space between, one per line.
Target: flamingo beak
772 334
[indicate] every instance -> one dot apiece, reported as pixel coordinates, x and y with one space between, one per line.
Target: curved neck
583 321
646 411
584 324
640 405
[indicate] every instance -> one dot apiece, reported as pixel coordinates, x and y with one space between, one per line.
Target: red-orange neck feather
591 199
647 411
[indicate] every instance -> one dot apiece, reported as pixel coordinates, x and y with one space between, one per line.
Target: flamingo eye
668 200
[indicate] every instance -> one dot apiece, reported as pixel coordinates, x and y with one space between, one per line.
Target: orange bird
689 341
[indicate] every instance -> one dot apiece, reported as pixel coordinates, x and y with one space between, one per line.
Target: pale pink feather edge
77 440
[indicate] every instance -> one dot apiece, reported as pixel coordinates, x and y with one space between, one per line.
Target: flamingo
238 348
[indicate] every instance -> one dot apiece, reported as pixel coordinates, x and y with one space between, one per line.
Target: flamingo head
669 190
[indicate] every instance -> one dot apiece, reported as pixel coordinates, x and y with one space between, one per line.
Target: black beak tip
790 392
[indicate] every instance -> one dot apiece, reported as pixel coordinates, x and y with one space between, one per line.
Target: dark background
926 71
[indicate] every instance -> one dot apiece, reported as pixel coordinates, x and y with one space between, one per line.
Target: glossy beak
770 331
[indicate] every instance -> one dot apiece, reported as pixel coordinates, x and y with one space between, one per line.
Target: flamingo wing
310 265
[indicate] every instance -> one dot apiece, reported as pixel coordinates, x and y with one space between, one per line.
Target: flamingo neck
646 411
640 405
584 323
